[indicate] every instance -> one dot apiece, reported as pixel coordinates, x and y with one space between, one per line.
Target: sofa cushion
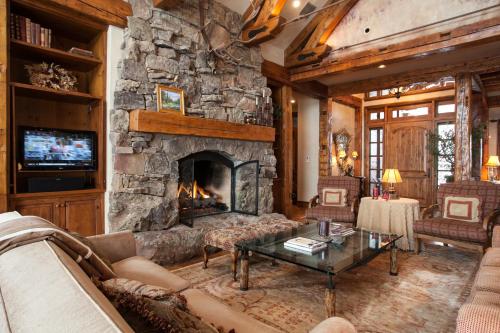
462 208
4 322
336 214
487 279
491 257
44 290
452 229
486 298
222 316
335 197
474 318
141 269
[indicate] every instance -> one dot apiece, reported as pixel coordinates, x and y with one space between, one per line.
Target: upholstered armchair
319 209
439 224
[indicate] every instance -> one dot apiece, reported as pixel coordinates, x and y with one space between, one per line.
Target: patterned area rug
424 297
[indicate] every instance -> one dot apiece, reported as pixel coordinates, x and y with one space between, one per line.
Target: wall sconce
342 154
354 155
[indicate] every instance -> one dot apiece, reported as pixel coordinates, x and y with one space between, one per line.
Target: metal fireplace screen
212 182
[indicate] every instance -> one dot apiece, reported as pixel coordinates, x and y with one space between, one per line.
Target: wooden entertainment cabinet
82 110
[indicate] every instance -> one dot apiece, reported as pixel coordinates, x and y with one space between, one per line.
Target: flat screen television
55 149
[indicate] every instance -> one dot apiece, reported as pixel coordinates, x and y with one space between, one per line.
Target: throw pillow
462 208
334 197
152 309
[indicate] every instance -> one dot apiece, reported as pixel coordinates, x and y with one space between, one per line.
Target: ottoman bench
226 238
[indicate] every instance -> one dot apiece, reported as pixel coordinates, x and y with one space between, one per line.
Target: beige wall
308 146
388 17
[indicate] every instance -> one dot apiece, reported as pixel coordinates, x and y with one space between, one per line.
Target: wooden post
463 99
394 260
324 132
4 109
330 297
286 150
244 270
234 264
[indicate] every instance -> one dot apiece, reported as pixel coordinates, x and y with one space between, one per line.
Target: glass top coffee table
358 248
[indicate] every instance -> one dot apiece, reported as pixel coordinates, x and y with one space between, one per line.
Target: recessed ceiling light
292 101
296 4
381 66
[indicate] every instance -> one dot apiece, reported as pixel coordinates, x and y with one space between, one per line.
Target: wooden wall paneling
4 113
286 149
463 100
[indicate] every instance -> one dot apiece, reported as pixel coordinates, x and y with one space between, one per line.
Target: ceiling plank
482 65
310 45
265 25
469 35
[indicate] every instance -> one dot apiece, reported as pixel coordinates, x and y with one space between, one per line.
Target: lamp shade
493 161
392 176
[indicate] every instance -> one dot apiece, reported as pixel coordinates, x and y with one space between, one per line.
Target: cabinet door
47 210
83 215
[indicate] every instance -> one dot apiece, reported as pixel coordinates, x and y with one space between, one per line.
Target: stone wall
163 47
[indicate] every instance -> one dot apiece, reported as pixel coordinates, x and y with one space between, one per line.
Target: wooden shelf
40 53
70 96
172 123
55 194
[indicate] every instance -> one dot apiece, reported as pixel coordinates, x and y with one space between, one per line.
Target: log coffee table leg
205 256
394 260
330 297
234 264
244 270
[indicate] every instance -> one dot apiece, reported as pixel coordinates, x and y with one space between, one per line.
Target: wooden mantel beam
474 34
262 21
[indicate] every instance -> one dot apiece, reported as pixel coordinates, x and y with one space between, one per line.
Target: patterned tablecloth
393 216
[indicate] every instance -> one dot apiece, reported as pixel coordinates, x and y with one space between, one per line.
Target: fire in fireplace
212 182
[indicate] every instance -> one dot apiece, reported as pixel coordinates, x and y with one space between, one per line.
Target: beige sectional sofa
42 289
481 313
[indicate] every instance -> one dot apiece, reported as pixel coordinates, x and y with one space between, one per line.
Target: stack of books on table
337 229
305 245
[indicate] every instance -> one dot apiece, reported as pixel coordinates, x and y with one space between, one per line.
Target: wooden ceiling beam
442 42
310 45
349 100
165 4
279 76
263 22
493 101
482 65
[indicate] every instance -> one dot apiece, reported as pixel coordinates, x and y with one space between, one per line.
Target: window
410 112
376 156
446 151
445 107
376 114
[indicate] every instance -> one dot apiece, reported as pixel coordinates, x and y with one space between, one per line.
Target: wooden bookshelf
83 109
70 60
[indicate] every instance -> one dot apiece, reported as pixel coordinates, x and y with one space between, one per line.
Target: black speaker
54 184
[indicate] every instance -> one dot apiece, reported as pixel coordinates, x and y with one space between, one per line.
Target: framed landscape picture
170 99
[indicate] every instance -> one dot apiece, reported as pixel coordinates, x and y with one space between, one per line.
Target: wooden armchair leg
205 256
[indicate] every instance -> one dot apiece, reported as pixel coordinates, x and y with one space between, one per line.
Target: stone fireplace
165 47
213 182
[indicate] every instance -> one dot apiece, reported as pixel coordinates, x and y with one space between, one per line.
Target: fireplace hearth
212 182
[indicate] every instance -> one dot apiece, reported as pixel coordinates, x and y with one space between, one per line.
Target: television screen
53 149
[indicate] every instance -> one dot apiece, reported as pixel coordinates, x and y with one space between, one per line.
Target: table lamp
392 176
492 164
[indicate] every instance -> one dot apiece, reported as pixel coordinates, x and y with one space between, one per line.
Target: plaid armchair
477 236
345 214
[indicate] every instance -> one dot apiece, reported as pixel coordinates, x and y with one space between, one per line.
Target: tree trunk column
463 129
